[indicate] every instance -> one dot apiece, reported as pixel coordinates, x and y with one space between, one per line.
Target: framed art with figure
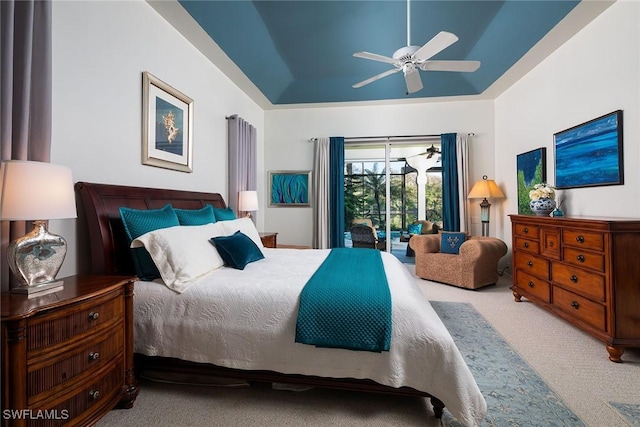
289 188
532 170
167 126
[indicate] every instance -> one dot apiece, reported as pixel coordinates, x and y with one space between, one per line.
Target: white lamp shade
486 189
248 201
35 191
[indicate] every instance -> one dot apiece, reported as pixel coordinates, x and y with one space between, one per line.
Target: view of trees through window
365 193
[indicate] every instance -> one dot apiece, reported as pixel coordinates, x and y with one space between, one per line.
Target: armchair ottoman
474 267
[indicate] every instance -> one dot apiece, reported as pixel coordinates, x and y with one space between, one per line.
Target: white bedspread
246 320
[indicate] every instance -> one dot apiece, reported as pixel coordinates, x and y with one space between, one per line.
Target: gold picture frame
167 125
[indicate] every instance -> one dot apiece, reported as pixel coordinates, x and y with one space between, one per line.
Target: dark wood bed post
110 255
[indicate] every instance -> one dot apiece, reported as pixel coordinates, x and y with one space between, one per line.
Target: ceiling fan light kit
411 59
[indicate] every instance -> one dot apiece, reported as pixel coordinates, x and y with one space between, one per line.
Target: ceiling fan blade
375 57
412 78
462 66
440 42
376 77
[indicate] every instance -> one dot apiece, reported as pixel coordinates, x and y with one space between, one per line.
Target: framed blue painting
289 188
167 123
590 154
531 170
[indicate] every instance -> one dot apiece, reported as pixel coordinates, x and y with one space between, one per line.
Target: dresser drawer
533 285
88 399
581 281
532 264
49 330
527 245
56 374
580 308
592 260
583 239
528 231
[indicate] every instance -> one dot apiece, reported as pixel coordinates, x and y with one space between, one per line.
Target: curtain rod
389 138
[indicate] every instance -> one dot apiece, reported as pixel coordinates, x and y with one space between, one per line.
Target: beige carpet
572 363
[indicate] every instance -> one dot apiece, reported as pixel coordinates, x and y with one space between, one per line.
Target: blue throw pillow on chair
415 228
450 242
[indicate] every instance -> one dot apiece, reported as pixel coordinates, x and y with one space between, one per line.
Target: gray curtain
25 95
321 229
462 155
243 161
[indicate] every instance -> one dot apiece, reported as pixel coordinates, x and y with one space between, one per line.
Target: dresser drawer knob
94 355
94 394
530 263
526 244
94 315
525 230
580 239
530 284
575 305
580 258
574 278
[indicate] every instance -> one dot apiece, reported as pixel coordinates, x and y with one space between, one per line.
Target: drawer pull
580 239
530 263
574 278
94 394
530 284
580 258
94 355
94 315
575 305
525 230
526 244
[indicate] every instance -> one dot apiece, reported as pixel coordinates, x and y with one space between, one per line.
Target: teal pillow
223 214
415 228
196 216
237 250
140 221
450 242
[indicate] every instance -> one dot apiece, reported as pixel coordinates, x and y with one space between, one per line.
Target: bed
240 323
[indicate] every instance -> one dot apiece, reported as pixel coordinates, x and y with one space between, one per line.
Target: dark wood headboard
98 204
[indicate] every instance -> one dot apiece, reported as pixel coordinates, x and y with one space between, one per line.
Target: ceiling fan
411 59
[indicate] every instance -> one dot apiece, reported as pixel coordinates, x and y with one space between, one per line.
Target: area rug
629 411
515 393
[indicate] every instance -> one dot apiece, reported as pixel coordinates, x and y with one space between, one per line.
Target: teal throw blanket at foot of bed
347 303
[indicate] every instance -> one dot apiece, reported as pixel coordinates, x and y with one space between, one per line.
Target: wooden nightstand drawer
579 307
56 328
269 240
56 374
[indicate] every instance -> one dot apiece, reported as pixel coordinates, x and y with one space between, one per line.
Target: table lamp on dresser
36 191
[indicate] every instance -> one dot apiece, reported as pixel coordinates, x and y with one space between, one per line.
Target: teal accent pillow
196 216
223 214
237 250
450 242
415 228
140 221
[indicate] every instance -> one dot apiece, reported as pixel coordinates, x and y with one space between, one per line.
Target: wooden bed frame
99 203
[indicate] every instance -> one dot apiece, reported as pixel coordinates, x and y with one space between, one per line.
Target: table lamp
248 202
36 191
485 189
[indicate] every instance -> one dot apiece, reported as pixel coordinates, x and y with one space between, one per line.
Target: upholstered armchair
366 236
475 266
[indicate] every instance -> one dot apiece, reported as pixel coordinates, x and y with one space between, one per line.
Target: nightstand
70 352
269 239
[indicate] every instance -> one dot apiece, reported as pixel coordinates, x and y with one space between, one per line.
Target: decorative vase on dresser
543 206
69 354
584 270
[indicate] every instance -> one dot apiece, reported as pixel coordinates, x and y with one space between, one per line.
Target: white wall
287 133
100 50
594 73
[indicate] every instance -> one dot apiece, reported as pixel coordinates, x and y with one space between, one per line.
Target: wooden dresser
67 357
584 270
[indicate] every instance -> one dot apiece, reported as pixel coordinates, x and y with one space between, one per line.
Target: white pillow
182 253
245 226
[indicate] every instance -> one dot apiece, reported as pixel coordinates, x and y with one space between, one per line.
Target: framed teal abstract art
289 188
532 170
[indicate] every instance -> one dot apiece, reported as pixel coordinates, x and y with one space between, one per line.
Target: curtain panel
243 161
25 96
336 176
450 192
321 191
